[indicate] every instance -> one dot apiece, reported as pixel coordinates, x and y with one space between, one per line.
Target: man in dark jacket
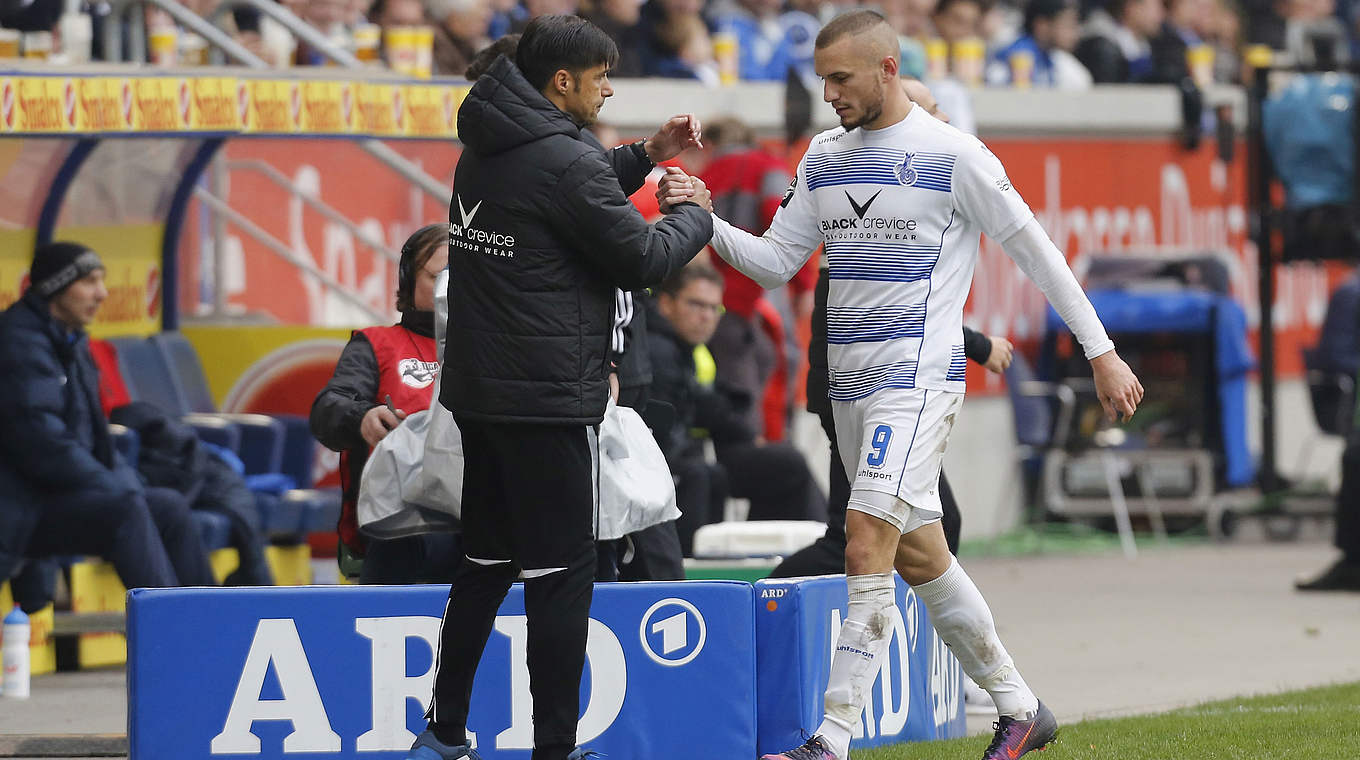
541 234
774 477
63 489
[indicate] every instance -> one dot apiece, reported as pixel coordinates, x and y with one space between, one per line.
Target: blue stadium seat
187 370
262 440
147 375
214 528
299 449
216 430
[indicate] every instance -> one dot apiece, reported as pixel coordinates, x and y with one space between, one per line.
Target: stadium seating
277 452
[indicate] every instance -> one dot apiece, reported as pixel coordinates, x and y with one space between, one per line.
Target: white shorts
892 444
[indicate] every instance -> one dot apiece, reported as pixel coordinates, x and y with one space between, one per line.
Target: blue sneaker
427 747
581 753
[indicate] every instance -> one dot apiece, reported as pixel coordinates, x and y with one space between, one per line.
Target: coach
541 232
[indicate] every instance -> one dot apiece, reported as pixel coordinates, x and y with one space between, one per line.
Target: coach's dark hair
553 43
505 46
691 273
854 22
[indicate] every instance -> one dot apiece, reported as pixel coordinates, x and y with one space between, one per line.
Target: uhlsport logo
904 171
398 108
449 111
417 373
673 632
346 104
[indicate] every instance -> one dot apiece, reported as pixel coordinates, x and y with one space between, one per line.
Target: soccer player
899 199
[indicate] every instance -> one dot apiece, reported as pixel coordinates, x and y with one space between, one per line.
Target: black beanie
57 265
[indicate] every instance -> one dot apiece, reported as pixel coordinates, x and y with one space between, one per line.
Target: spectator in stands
390 13
1225 35
535 8
506 15
957 20
770 41
753 339
66 490
351 415
328 17
1044 53
774 477
1116 41
686 51
460 28
505 46
620 20
658 18
1184 27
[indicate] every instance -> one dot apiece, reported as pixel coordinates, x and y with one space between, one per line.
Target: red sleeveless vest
407 367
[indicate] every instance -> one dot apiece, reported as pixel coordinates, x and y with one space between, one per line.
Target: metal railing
288 20
285 252
113 38
281 180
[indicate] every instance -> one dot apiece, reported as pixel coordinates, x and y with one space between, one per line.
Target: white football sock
964 621
855 664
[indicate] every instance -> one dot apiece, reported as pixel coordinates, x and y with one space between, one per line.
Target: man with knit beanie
64 488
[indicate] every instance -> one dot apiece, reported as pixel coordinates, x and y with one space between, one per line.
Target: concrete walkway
1094 636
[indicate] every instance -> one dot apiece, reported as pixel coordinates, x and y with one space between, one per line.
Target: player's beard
871 111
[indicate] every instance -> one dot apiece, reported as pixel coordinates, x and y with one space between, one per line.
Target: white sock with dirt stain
964 621
855 663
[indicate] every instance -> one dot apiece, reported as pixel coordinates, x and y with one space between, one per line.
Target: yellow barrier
121 104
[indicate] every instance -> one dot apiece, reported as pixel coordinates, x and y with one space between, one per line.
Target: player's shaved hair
876 33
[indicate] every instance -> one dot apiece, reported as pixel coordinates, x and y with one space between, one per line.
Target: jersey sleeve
775 257
984 194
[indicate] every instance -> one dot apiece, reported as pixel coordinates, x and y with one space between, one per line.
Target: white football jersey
900 210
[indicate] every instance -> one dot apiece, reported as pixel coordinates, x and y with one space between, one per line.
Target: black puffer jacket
55 445
541 232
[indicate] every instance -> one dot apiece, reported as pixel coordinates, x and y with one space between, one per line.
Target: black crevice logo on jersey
788 194
860 211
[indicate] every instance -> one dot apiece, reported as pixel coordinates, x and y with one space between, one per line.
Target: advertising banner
346 672
95 104
918 695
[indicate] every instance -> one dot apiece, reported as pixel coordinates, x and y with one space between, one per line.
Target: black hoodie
541 232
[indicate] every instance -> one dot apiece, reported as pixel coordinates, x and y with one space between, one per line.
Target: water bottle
15 653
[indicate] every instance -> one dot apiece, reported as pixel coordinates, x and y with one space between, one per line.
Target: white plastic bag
441 477
391 503
635 487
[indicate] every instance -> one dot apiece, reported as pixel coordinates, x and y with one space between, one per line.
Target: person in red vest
756 332
351 414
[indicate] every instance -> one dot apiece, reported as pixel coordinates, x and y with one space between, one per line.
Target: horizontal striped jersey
900 210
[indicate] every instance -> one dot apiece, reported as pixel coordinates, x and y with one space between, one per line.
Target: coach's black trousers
528 503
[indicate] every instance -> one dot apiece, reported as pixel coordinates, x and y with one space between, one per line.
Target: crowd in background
1066 44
